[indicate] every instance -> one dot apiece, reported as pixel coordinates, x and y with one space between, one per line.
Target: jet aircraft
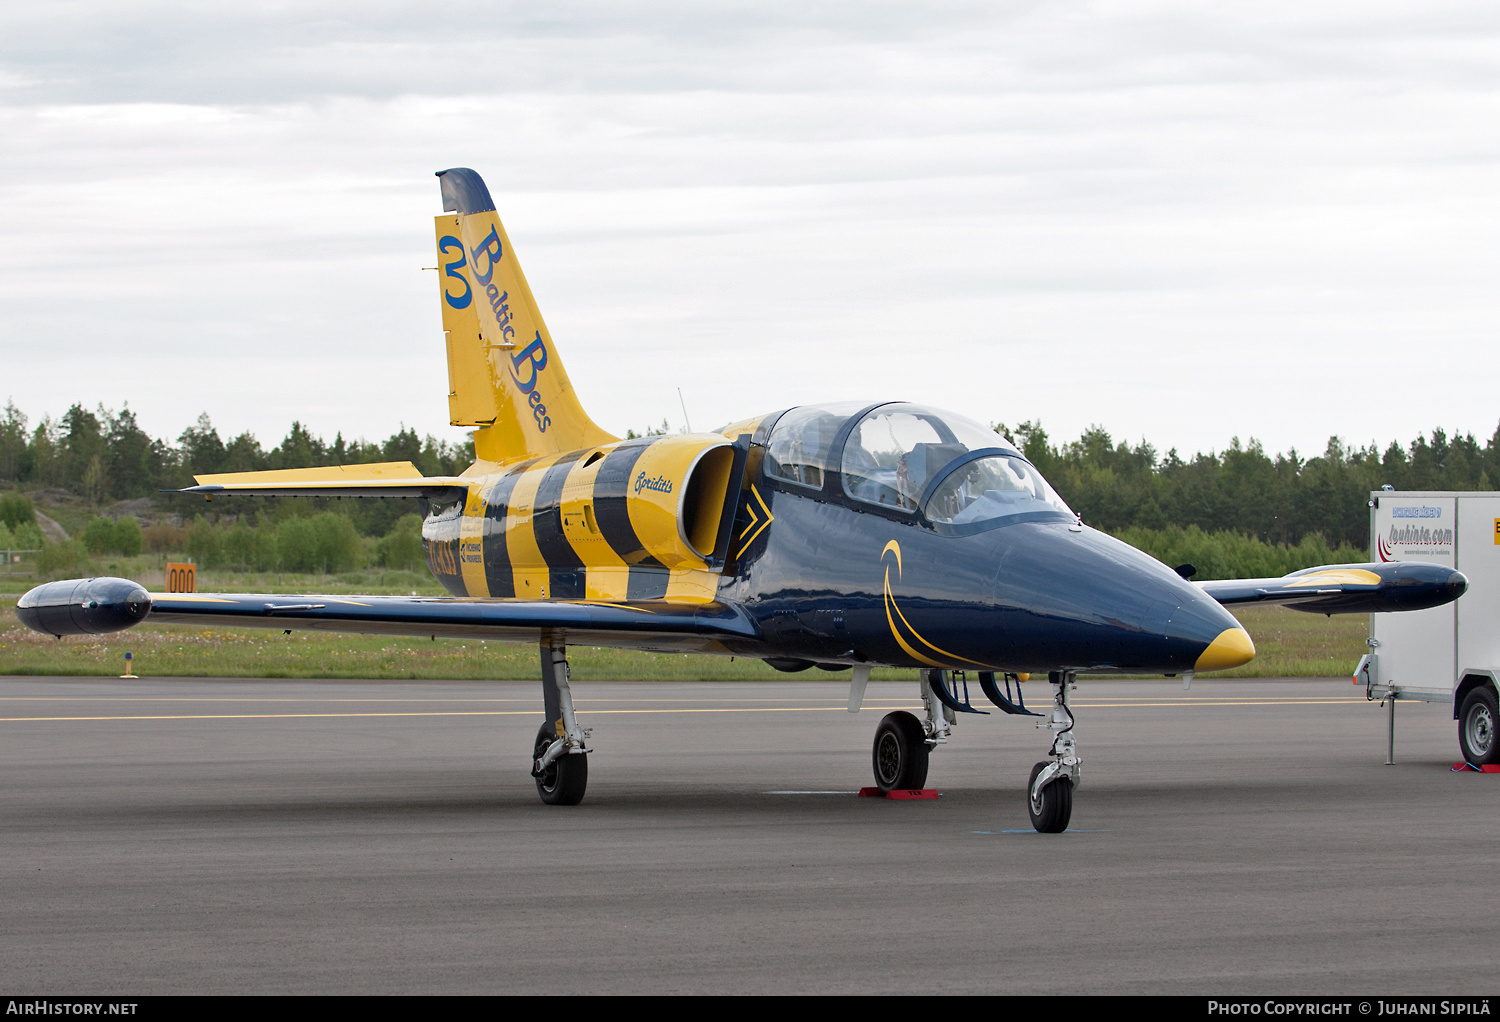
832 536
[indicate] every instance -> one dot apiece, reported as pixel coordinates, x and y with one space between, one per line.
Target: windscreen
992 488
897 450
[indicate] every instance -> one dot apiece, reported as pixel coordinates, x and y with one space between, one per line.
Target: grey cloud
276 53
1018 210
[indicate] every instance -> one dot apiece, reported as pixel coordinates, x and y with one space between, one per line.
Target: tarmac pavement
216 836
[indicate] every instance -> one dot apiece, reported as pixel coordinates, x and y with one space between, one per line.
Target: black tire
1478 719
1052 816
564 780
900 753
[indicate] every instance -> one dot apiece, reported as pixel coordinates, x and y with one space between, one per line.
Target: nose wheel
1051 807
1049 789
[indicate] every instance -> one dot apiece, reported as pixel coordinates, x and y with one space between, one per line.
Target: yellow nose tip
1232 648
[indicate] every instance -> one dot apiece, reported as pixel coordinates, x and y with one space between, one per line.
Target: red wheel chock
1488 768
900 793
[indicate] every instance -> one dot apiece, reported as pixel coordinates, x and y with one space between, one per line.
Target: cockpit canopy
911 458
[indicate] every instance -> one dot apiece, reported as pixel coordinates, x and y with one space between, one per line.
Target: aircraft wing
102 605
385 479
1348 588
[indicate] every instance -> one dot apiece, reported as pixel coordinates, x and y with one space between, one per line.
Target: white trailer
1448 654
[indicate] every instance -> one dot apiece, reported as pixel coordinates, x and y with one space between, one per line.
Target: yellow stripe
1337 577
890 603
471 544
606 575
916 635
692 586
655 515
764 510
157 598
895 632
395 471
526 561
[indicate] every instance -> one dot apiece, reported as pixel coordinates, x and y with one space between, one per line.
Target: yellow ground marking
477 699
413 713
532 712
1265 702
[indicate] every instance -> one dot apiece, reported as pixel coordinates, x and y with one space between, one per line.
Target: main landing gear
559 757
903 743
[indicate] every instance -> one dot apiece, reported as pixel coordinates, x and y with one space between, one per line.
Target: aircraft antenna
682 402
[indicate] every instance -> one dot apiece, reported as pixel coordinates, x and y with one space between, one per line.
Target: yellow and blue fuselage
826 579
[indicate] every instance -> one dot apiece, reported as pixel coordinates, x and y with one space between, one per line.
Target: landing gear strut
1050 788
903 743
559 757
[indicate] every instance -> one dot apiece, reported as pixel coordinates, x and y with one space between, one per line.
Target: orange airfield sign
182 578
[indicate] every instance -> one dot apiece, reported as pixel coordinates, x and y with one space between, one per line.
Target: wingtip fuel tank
84 606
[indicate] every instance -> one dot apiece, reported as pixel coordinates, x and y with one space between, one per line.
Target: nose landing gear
903 745
1051 785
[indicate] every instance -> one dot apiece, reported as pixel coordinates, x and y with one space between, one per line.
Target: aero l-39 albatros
833 536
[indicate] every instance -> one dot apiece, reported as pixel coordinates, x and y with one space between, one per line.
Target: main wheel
1477 721
565 778
900 753
1052 813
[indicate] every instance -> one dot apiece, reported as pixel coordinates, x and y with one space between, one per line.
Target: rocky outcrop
51 530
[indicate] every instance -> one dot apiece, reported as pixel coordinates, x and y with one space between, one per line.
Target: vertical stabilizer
504 375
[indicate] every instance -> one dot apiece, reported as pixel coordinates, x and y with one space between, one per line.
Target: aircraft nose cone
1458 584
1097 604
1232 648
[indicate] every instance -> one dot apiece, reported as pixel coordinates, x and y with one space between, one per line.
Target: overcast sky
1184 221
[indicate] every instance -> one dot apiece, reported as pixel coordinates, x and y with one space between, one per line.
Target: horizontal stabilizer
1348 588
382 479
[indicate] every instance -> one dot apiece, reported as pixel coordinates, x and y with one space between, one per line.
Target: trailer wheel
1477 722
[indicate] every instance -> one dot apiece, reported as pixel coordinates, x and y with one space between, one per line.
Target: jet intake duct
87 606
681 498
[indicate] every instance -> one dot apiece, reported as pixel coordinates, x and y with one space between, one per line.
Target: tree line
1280 500
1236 512
325 542
104 455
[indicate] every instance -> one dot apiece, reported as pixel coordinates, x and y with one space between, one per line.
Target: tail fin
504 375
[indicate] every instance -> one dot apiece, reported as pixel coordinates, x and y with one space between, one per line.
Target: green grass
1289 644
150 571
